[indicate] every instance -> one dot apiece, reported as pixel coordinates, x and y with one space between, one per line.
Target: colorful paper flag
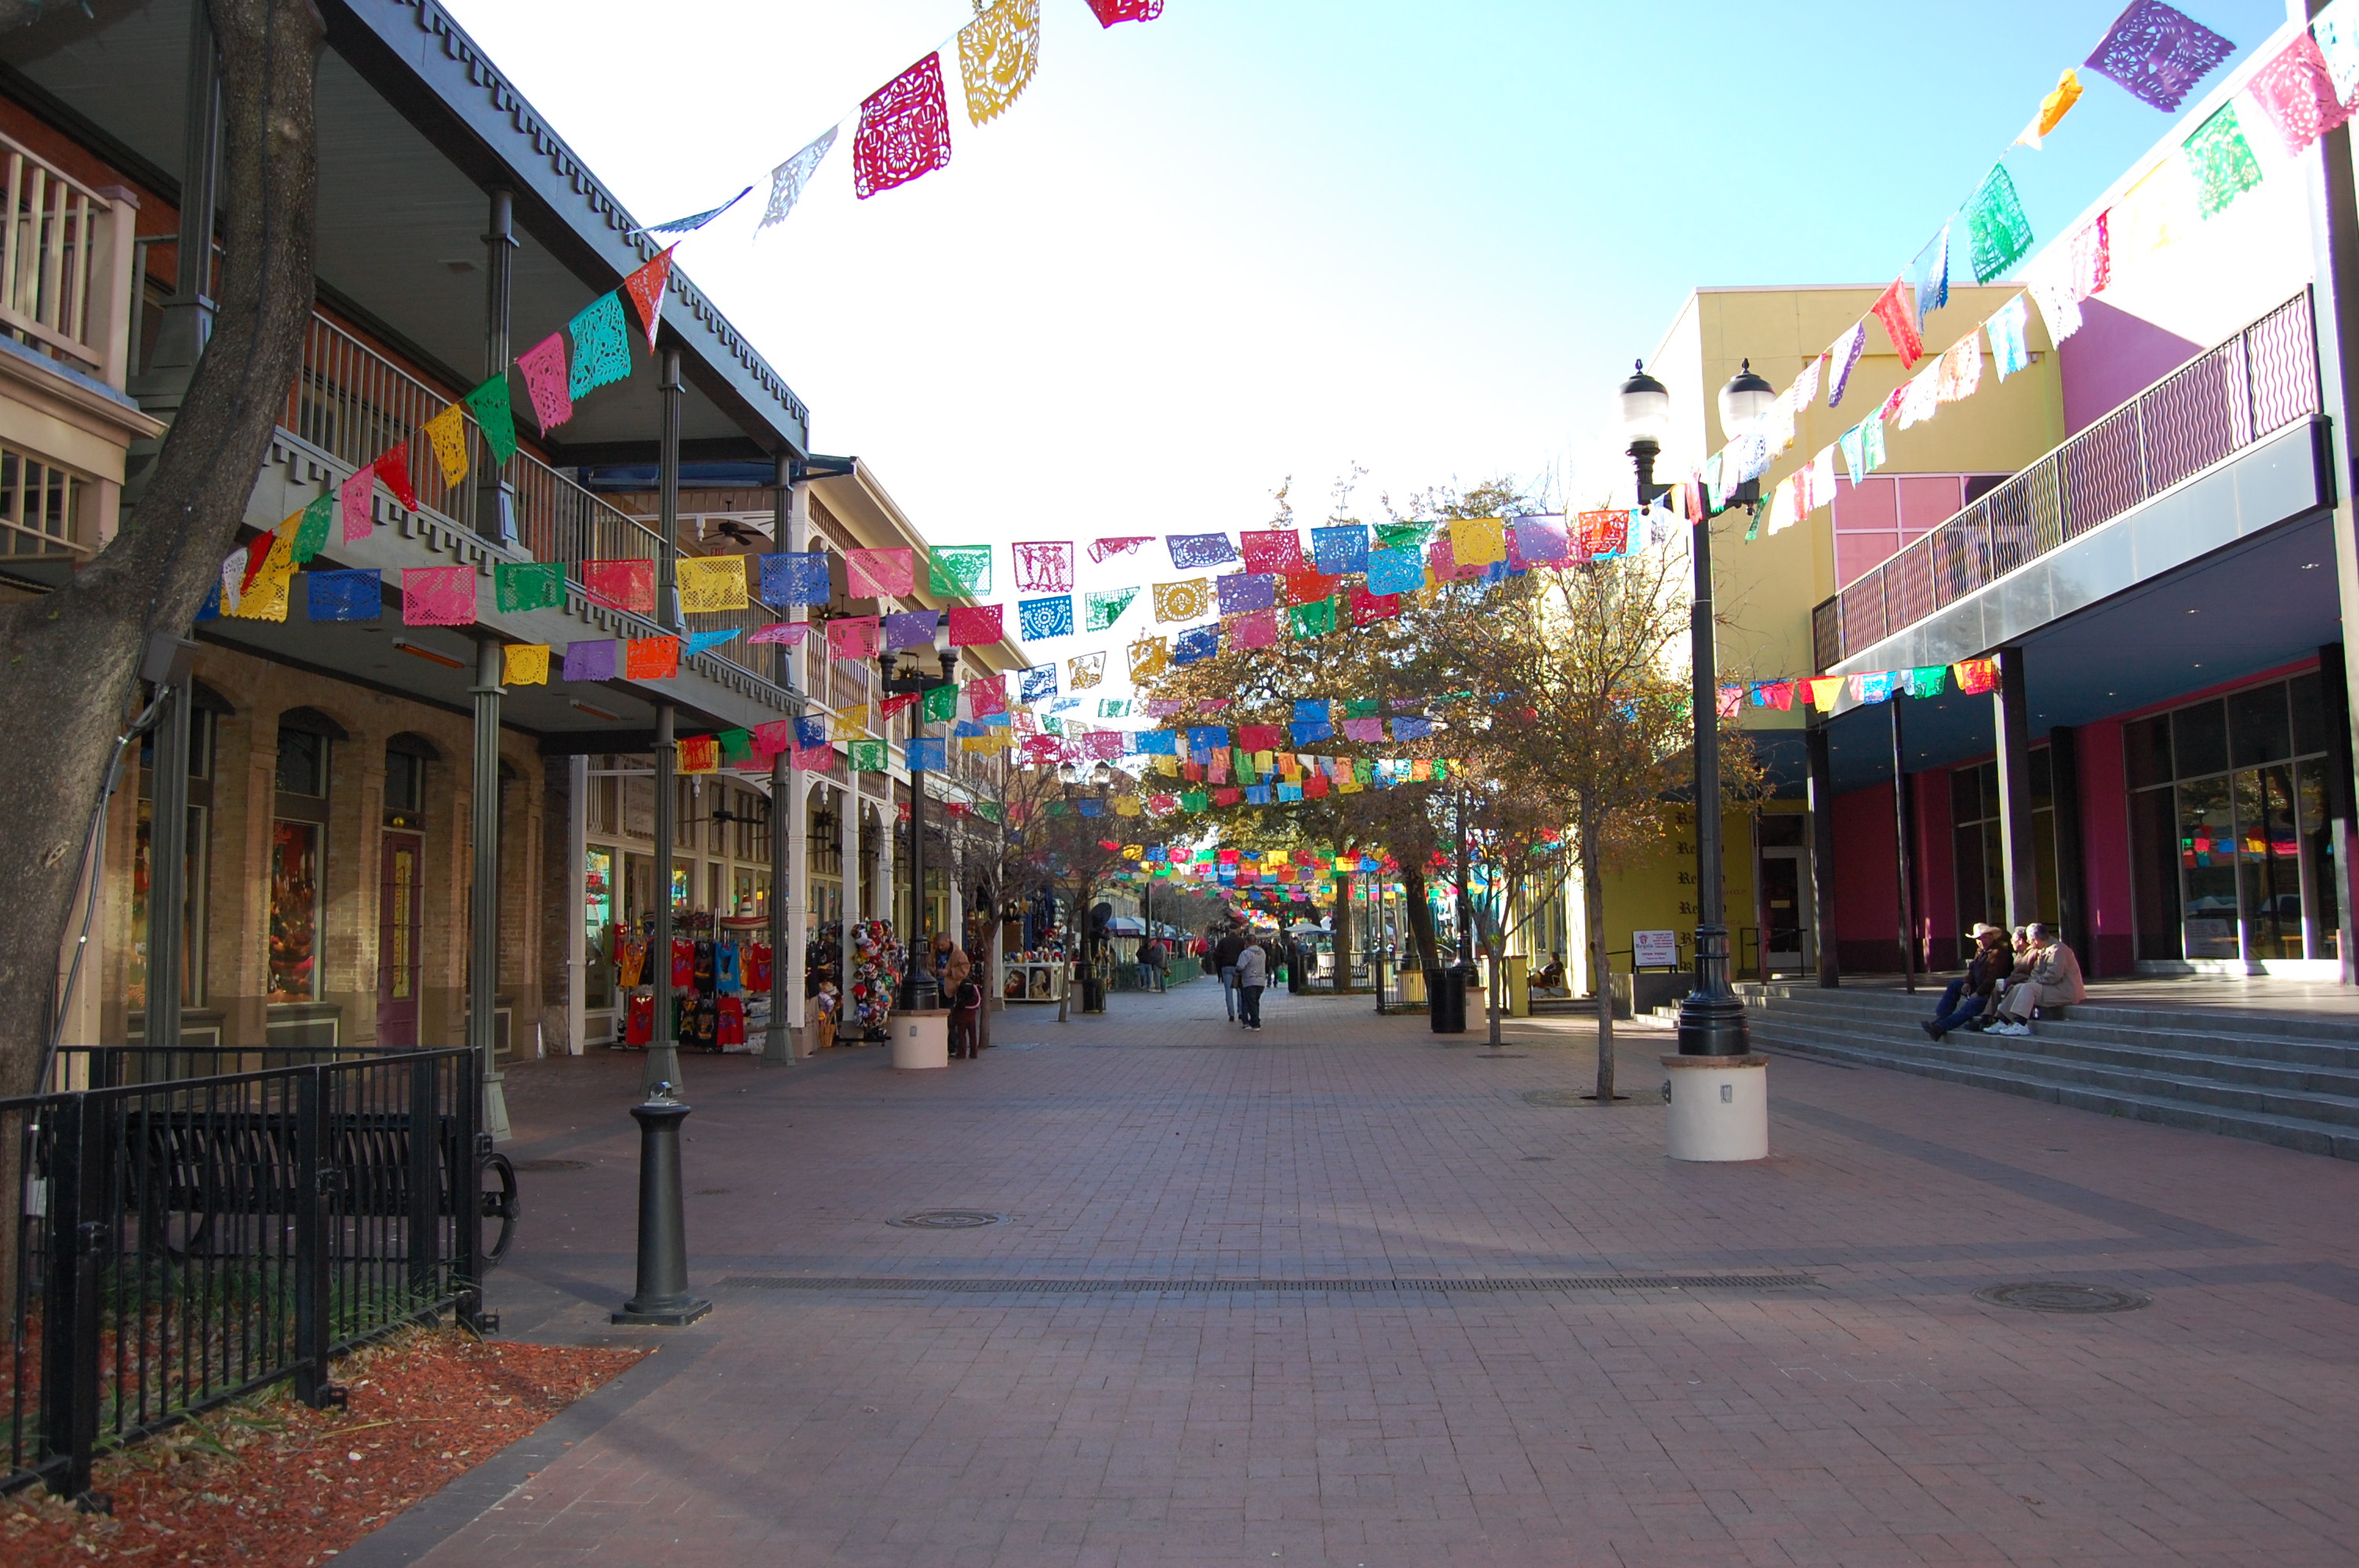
2052 110
1084 671
1109 12
494 417
911 629
1119 544
647 286
1043 565
448 432
524 664
1189 599
709 585
1842 359
1395 571
602 347
590 661
346 595
651 658
1312 620
694 642
795 577
905 130
975 625
1898 314
1190 551
854 637
2221 161
788 180
879 574
312 529
392 468
438 596
2000 233
521 585
1478 541
939 705
545 382
356 504
2157 53
621 585
959 569
700 755
999 52
1037 619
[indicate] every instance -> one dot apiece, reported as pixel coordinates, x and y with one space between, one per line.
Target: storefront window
598 927
2231 857
294 912
192 923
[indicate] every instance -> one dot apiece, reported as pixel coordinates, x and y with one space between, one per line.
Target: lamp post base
1719 1107
917 994
1713 1025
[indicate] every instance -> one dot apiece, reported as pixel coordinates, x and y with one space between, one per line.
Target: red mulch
269 1483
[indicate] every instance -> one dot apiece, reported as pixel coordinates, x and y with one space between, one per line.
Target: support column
668 614
576 914
663 1044
847 844
2333 679
779 1046
167 853
2334 291
2012 719
1901 836
495 495
484 900
1823 855
792 524
186 321
2071 854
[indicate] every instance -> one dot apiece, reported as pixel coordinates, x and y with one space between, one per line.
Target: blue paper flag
1395 571
810 732
1038 682
342 596
1190 551
1206 737
1412 729
1038 618
931 753
697 642
1159 742
1304 734
1311 710
1194 647
1340 549
795 578
1256 794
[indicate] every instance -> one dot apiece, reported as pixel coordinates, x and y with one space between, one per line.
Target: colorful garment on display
725 974
683 964
639 1021
630 956
758 967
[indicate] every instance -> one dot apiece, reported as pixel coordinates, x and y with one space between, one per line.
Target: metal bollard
662 1297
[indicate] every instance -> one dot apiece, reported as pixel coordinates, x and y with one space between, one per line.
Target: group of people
1245 965
962 991
2005 982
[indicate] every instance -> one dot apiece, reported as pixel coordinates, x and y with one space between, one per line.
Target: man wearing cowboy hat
1967 996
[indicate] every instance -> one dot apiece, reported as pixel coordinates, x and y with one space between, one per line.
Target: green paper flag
531 585
868 756
494 417
1362 706
1194 800
1401 535
1315 619
940 707
311 534
2001 233
960 569
2223 161
736 746
1105 606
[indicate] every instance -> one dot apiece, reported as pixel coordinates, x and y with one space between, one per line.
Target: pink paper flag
778 632
873 574
1274 550
1120 545
438 596
775 737
1364 729
1253 629
545 382
986 694
855 637
975 625
357 497
1043 567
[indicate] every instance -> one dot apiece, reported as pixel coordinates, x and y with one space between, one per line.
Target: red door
397 928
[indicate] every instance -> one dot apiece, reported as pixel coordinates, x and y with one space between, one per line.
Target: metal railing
65 267
2226 399
183 1241
353 403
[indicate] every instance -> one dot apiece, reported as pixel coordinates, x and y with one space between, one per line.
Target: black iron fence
182 1240
2227 398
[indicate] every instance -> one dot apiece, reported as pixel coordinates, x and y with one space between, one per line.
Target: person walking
2054 981
1253 976
1150 963
1224 959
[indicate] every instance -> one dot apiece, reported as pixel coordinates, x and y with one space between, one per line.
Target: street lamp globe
1101 774
1068 775
1646 408
1745 399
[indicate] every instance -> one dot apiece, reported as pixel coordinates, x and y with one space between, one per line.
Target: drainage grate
2049 1295
1502 1056
1460 1286
552 1164
947 1219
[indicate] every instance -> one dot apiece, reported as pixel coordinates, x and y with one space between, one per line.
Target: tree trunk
1601 978
1498 1000
73 655
1415 905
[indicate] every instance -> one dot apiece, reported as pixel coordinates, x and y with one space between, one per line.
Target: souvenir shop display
1036 974
719 982
742 974
878 961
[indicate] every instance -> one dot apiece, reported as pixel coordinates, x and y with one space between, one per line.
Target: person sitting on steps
2054 981
1967 997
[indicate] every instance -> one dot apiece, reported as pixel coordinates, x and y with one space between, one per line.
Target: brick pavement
1880 1416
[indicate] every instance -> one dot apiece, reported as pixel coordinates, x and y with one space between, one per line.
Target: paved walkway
1022 1394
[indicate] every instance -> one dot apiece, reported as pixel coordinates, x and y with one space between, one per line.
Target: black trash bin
1445 993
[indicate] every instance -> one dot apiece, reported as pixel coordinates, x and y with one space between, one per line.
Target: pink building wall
2106 847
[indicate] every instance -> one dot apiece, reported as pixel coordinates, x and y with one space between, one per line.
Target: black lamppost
918 984
1711 1018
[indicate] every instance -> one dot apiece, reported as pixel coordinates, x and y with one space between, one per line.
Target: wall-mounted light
430 655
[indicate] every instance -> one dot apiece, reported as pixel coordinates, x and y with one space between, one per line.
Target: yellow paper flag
709 584
1478 541
524 664
448 431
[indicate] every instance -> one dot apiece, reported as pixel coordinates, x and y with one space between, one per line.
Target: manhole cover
552 1164
1537 1158
947 1219
2047 1295
1501 1056
710 1191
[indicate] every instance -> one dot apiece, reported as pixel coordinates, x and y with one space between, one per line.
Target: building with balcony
332 837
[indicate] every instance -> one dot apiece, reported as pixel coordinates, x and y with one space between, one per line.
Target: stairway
2291 1082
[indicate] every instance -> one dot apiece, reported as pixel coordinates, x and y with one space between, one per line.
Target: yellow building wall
1766 588
1658 893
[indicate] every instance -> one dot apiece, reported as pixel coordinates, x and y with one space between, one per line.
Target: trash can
1297 961
1446 1011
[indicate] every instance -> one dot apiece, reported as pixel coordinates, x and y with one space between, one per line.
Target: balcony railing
65 267
353 403
2228 398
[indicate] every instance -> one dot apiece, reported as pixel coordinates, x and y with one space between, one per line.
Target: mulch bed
270 1483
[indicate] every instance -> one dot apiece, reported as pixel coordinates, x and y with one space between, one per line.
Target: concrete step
2216 1090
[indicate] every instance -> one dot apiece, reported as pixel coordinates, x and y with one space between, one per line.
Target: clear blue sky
1263 238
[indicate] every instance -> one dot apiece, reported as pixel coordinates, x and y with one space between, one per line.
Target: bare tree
73 655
